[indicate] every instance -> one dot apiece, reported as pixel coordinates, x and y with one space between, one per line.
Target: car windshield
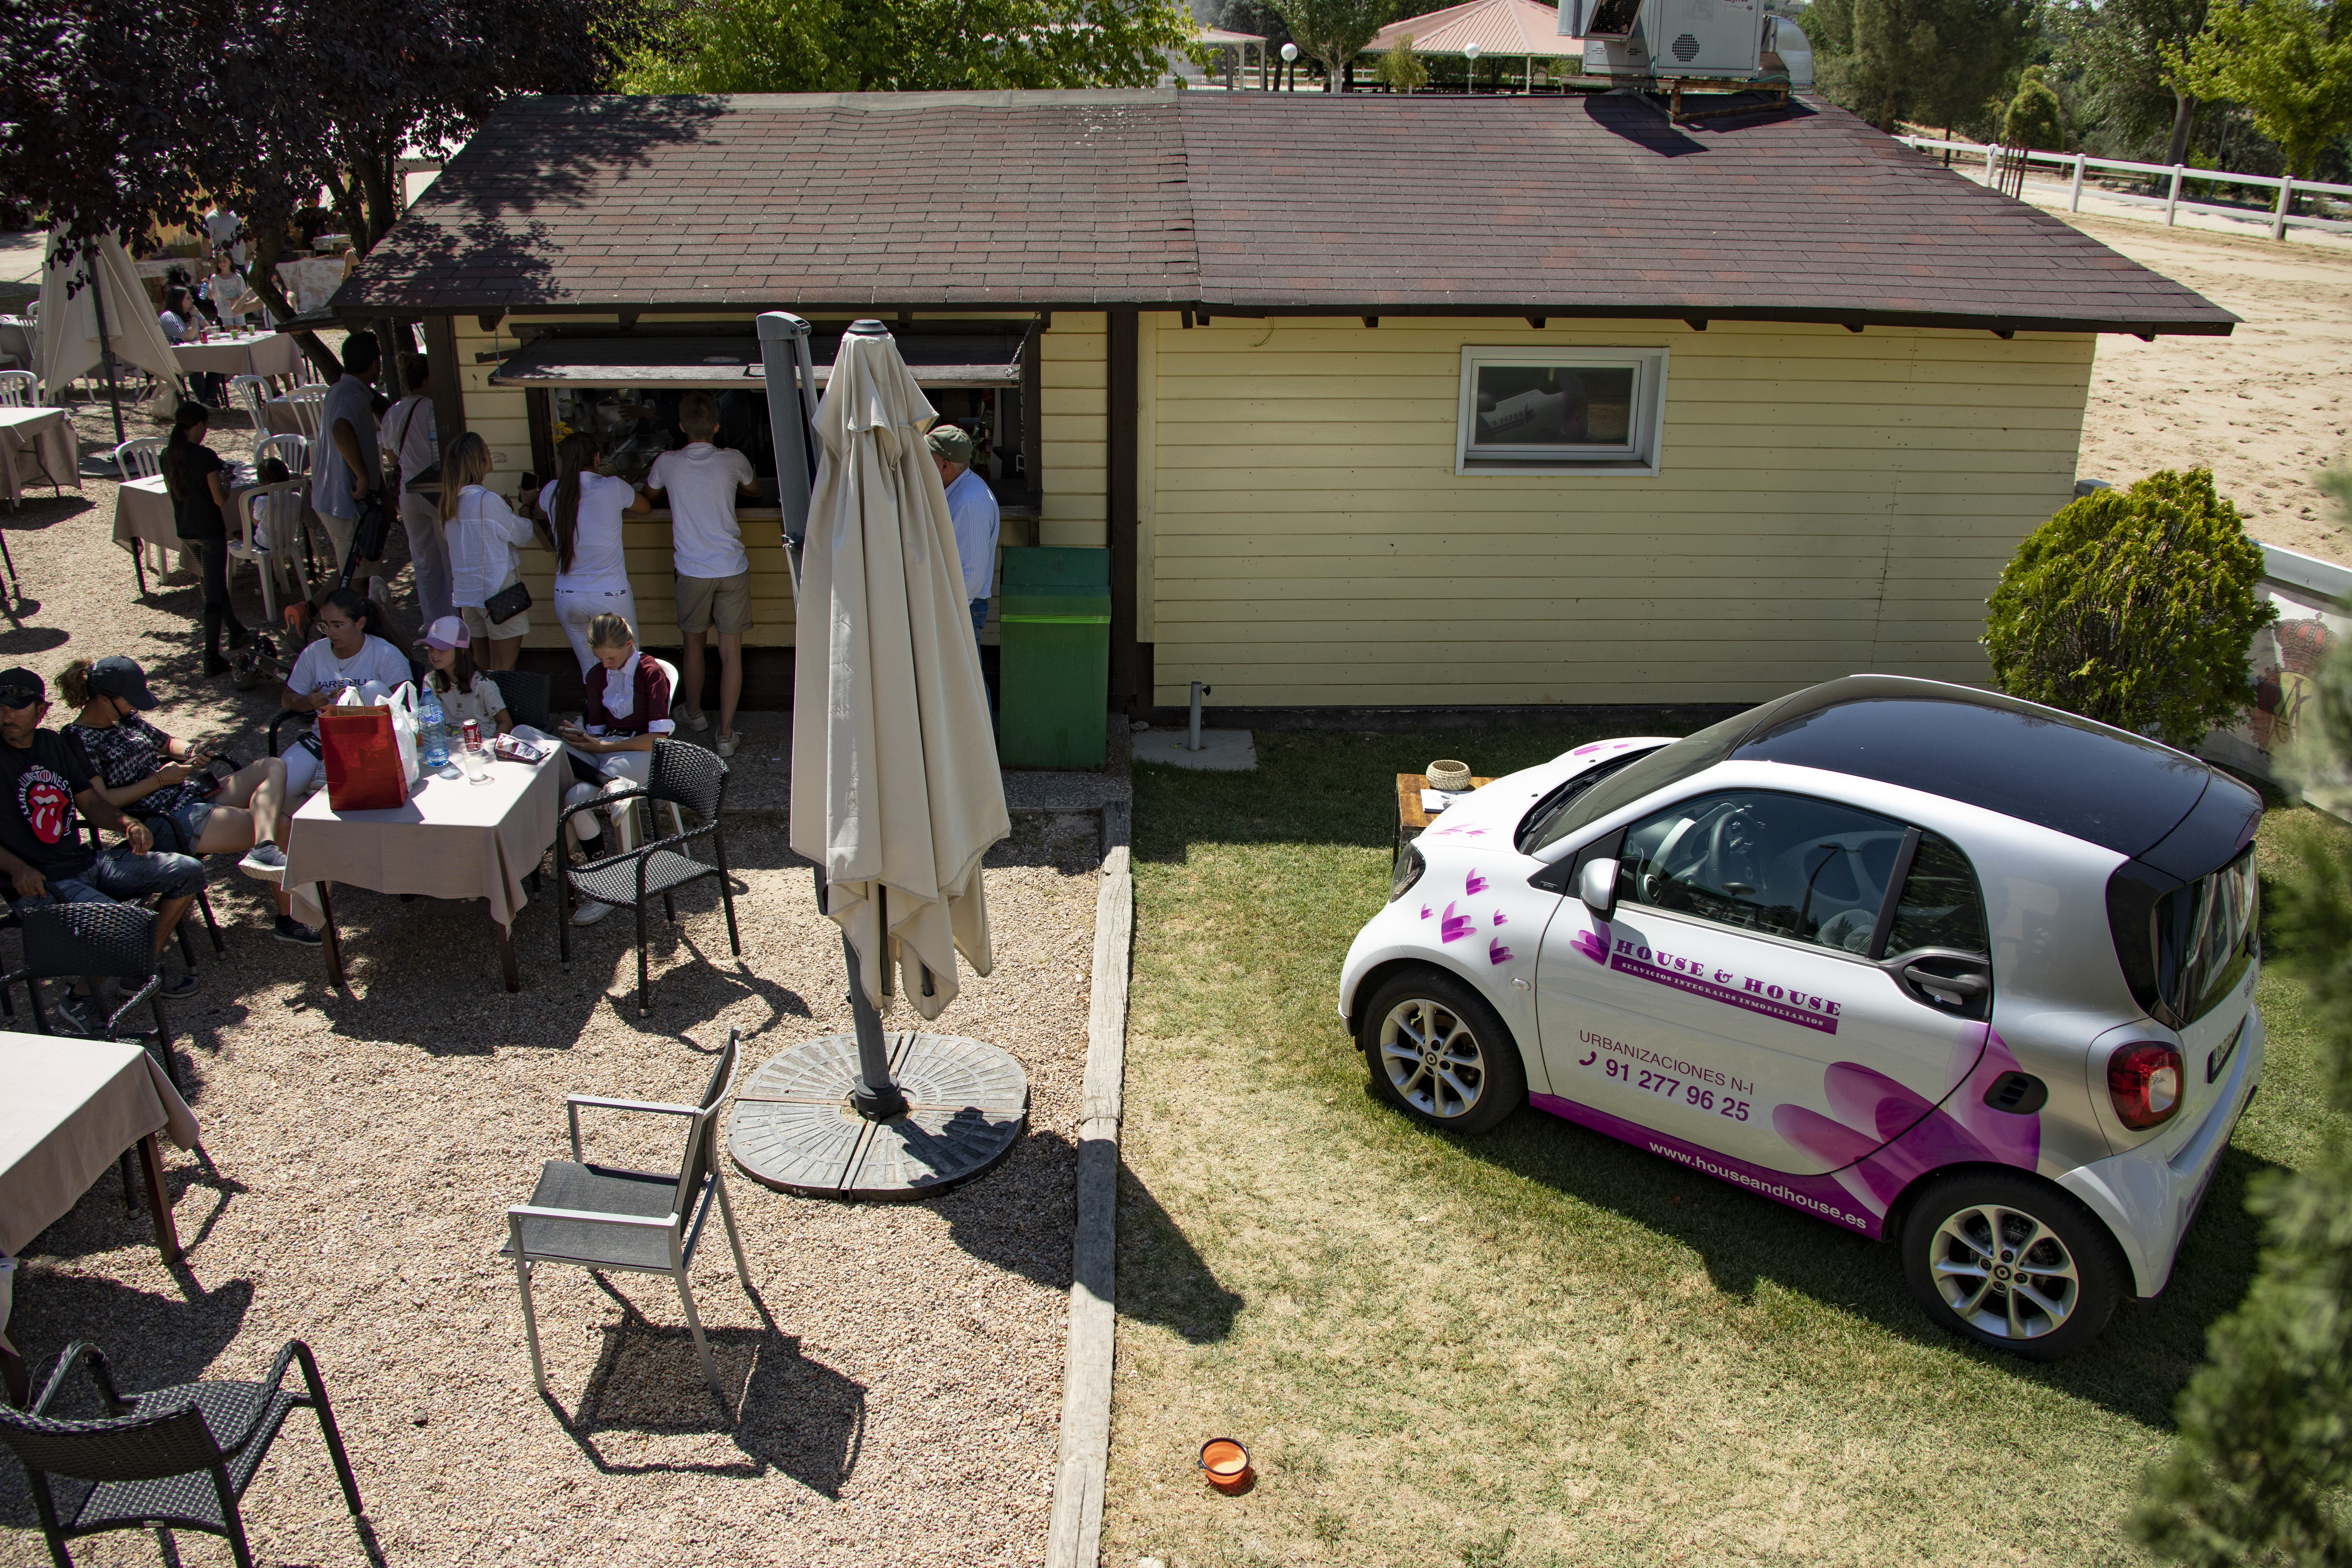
1691 754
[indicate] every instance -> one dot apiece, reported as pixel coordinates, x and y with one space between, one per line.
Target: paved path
20 256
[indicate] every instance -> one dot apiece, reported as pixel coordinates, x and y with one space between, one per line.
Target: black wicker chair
65 942
174 1458
525 694
682 775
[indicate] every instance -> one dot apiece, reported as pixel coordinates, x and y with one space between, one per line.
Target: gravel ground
898 1377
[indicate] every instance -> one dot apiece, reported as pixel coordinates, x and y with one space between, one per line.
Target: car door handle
1971 986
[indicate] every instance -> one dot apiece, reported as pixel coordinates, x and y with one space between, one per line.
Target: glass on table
477 763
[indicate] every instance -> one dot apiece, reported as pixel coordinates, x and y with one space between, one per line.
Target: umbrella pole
105 351
874 1096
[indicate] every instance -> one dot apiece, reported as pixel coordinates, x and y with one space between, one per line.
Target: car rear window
2067 773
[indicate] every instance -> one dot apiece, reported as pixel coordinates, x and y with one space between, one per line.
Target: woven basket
1449 775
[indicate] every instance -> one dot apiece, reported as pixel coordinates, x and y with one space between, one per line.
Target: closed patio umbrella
82 320
895 797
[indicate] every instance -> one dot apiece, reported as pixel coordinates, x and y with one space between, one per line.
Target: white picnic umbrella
896 792
74 338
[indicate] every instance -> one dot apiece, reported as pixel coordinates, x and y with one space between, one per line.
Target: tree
878 46
2288 61
2259 1471
2034 118
2126 49
1401 70
1335 31
1933 60
2135 607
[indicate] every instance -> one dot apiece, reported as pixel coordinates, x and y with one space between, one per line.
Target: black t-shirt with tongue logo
37 786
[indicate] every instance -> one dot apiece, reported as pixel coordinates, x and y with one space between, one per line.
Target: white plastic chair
309 403
291 450
677 822
141 458
19 389
268 522
251 393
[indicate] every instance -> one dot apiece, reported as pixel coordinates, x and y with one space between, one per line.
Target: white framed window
1556 410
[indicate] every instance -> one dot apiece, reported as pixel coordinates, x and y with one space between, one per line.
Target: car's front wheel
2011 1263
1440 1054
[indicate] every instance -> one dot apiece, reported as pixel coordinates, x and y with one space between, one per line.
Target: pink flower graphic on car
1453 927
1592 946
1498 953
1500 919
1424 911
1886 1135
1473 884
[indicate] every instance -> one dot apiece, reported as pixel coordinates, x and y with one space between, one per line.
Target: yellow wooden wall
1072 388
1828 502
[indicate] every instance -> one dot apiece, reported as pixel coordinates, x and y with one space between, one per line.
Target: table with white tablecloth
246 353
16 341
143 515
451 839
73 1105
36 445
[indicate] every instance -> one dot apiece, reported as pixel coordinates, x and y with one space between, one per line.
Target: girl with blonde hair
611 747
482 533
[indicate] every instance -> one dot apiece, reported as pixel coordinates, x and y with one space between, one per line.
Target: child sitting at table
611 747
463 691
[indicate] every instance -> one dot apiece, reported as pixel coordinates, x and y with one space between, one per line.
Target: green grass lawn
1542 1346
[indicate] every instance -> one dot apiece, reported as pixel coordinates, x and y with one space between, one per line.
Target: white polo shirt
700 481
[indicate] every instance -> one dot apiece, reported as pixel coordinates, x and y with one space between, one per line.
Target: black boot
213 663
237 636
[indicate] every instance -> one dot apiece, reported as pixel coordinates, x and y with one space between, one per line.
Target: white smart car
1924 961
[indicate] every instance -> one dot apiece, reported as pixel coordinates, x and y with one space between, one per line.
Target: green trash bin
1054 670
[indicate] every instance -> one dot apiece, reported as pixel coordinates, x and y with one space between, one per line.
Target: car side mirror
1596 885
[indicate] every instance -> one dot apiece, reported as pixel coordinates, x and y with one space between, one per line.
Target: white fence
2076 163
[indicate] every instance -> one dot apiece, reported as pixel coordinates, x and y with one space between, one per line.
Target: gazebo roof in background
1226 37
1512 28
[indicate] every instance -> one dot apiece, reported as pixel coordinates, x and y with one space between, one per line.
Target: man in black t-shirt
43 777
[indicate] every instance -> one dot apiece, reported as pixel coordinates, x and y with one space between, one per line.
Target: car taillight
2144 1080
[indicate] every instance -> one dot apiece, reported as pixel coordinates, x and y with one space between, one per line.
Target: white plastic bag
403 704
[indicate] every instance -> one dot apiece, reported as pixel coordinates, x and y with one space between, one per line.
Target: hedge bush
2135 607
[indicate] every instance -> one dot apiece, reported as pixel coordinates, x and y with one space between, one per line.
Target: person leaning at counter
583 508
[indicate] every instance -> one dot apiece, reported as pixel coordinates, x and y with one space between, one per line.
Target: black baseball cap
20 688
115 675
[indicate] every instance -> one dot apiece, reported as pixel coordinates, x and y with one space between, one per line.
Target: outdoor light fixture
1290 64
1470 53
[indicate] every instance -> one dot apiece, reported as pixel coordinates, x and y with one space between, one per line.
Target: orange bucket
1228 1465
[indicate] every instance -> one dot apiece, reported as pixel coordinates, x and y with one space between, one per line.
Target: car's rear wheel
2011 1263
1439 1053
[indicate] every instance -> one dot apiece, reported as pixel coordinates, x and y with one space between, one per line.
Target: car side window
1940 906
1782 865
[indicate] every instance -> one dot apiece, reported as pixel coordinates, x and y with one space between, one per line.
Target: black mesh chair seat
594 1189
242 1418
682 775
525 695
172 1459
615 881
594 1216
64 942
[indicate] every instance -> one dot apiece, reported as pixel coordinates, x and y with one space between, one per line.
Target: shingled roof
1356 203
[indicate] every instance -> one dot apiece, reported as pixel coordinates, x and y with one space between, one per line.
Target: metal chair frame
151 1440
47 933
661 866
700 1178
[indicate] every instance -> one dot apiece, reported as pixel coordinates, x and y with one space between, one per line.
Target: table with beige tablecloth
143 515
452 840
248 353
71 1108
36 445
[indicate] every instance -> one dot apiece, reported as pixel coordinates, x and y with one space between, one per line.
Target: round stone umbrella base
794 1129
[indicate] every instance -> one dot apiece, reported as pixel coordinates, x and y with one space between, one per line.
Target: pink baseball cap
448 632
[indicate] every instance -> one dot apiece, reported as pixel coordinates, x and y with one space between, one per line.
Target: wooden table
452 840
1409 814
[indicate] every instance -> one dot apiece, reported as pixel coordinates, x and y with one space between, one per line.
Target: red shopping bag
361 758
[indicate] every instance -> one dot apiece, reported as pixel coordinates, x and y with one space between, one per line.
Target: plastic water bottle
432 731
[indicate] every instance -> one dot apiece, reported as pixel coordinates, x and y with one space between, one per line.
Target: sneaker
289 928
173 986
694 719
589 914
727 744
81 1015
265 862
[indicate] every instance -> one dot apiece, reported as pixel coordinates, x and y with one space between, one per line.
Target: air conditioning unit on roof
1728 40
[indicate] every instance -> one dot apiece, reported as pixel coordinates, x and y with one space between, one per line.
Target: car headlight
1409 868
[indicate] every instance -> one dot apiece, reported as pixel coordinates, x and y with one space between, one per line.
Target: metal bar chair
682 775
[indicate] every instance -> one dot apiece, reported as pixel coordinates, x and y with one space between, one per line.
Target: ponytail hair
465 462
190 415
366 611
575 456
73 683
609 630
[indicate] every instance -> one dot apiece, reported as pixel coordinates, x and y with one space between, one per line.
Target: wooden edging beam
1073 1538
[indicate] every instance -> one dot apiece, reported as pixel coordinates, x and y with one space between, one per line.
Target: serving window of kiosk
627 392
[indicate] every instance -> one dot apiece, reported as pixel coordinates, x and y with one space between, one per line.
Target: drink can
473 735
